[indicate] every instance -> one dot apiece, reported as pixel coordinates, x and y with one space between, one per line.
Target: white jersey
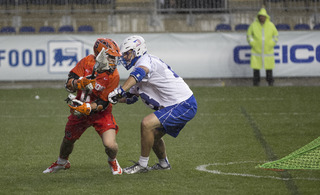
161 87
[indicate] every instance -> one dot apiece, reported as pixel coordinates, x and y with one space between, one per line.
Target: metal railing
162 6
191 6
154 15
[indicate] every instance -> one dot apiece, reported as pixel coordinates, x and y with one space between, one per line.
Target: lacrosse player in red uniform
93 78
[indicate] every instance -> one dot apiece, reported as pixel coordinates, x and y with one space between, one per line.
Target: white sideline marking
204 168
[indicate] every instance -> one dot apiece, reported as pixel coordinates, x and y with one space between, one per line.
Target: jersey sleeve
134 90
108 83
84 67
146 62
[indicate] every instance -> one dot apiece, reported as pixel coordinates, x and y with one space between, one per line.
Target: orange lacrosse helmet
110 46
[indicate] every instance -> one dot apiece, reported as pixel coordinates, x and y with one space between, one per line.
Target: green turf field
235 129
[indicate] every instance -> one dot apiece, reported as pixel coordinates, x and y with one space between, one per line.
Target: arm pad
74 76
138 74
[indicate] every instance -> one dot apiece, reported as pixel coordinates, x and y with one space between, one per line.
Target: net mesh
307 157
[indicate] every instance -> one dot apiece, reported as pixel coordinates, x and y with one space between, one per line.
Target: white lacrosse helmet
138 46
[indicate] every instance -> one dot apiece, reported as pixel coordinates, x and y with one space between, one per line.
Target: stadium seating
281 27
91 2
8 29
85 28
60 2
301 27
66 29
27 29
46 29
316 27
82 2
241 27
53 2
223 27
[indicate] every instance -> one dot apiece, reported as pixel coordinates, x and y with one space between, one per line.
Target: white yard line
217 172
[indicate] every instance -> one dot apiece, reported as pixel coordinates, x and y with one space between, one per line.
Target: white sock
164 162
61 161
143 161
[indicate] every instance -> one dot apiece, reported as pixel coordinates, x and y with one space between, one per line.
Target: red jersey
101 121
106 82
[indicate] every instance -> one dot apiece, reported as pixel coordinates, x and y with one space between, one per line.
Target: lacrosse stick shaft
91 77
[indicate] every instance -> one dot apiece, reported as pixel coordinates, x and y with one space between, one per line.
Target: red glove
85 108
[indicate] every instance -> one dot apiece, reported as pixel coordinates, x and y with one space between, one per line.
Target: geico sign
303 53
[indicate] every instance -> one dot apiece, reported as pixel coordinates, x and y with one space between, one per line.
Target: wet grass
222 136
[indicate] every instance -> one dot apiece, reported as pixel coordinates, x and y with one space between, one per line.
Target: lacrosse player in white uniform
161 89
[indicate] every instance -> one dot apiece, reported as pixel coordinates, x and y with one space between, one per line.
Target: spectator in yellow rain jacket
262 36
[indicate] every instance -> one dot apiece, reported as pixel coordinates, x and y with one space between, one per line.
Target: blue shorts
174 118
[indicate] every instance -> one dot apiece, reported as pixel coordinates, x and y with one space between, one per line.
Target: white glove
75 102
116 94
70 98
83 108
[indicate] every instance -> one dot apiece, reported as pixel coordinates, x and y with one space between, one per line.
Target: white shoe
55 167
115 167
136 168
157 166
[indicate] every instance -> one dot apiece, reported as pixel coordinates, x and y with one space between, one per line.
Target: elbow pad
138 74
74 76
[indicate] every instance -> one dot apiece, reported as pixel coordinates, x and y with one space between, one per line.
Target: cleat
136 168
115 167
55 167
157 166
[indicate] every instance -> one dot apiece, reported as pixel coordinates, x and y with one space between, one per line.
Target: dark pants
256 77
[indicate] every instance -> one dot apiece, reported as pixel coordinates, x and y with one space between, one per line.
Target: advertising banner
198 55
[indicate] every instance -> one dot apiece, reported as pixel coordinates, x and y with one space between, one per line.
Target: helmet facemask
110 66
132 48
107 54
106 62
128 59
